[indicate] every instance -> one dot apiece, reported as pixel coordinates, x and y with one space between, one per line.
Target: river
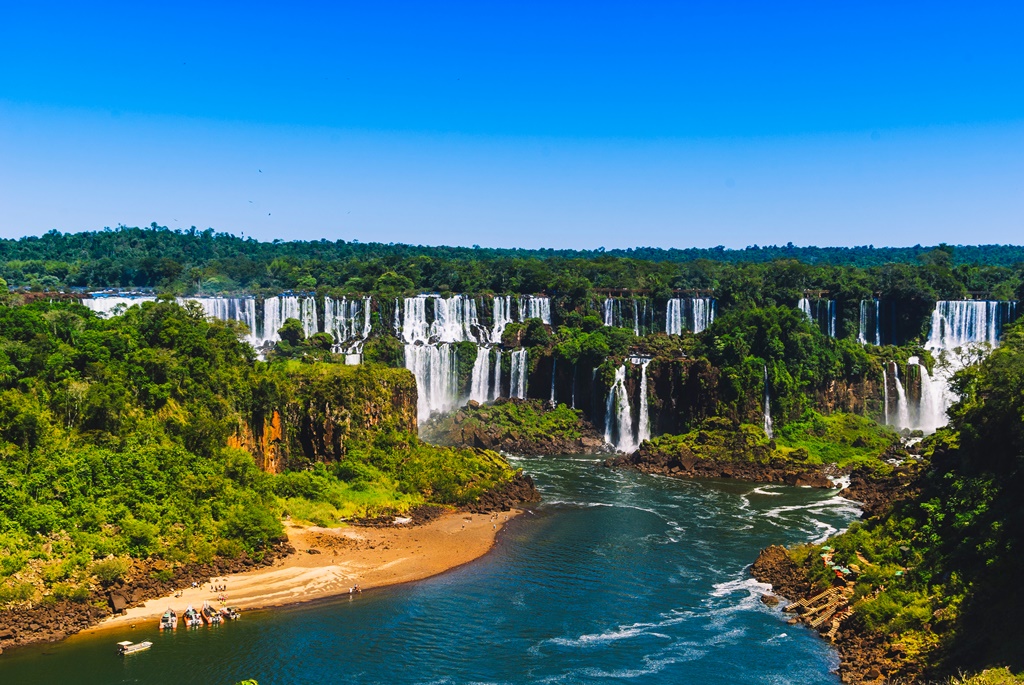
617 577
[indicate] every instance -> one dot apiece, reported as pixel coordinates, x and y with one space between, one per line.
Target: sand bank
330 561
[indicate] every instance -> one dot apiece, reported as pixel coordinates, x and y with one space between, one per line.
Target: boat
210 615
127 647
230 613
169 621
192 618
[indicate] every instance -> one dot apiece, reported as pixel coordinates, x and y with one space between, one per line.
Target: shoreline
367 557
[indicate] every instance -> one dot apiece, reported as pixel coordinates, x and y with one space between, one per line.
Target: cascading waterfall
956 324
496 377
608 312
242 309
502 317
767 407
518 380
701 314
618 419
435 368
535 307
636 320
831 318
277 309
480 384
643 431
573 385
105 306
804 305
346 319
885 393
878 322
902 406
554 367
862 328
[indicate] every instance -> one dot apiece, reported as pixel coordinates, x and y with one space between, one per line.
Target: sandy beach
330 561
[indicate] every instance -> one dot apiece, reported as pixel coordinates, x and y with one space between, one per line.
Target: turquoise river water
617 577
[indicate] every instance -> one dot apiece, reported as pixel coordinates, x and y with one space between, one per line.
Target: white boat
169 621
192 618
127 647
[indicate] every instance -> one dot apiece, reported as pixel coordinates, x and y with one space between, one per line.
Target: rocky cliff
321 409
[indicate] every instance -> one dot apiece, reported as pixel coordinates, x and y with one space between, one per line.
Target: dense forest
207 262
115 434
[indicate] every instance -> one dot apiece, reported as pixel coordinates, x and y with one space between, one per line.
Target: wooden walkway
825 611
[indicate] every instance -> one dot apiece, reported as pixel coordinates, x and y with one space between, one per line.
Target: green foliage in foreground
940 574
846 440
527 420
842 439
113 447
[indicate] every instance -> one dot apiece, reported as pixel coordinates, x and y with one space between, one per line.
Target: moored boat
210 615
169 621
230 613
127 647
192 618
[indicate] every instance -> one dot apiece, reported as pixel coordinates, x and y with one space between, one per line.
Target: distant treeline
188 261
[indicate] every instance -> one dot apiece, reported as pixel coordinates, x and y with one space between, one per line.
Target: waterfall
674 317
573 385
479 389
242 309
277 309
496 377
535 307
862 329
502 317
955 324
618 420
702 314
554 367
347 319
767 407
885 393
453 319
608 312
435 368
804 305
643 431
518 380
636 320
831 318
878 322
902 406
104 306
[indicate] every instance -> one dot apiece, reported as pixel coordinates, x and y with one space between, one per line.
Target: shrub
110 571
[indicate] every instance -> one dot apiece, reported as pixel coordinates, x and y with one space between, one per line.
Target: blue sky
518 124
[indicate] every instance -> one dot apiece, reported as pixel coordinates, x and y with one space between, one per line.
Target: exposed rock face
876 494
774 566
519 490
326 407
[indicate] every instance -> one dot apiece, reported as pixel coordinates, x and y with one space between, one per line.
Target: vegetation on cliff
938 575
114 444
520 426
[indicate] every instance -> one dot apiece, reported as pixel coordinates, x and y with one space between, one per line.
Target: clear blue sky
518 124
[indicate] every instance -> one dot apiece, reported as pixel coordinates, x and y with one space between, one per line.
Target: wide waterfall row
628 313
618 414
690 313
820 312
956 323
106 306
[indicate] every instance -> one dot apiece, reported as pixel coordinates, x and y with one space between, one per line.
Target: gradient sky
518 124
